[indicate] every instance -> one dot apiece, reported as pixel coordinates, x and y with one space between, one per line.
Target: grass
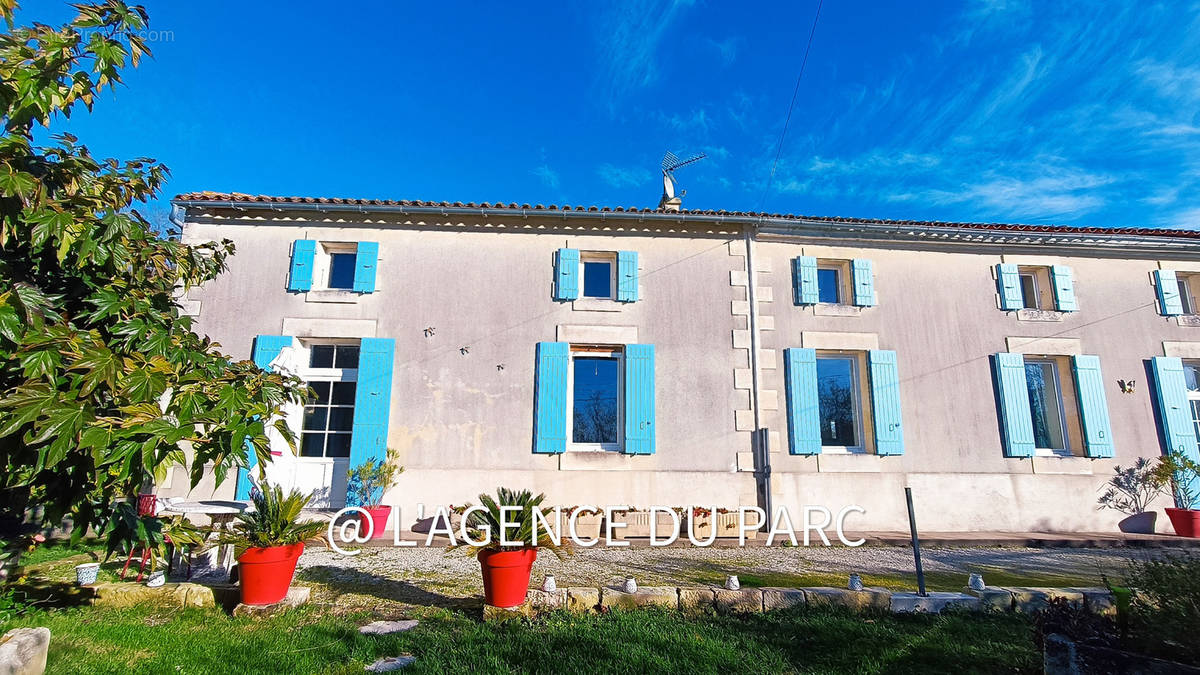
316 639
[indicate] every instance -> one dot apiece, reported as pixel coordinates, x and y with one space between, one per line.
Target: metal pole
912 528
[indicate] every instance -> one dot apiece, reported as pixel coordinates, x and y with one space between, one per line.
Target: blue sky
999 110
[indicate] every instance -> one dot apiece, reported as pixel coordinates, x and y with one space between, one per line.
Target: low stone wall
749 600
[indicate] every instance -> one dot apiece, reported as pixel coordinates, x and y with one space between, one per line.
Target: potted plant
368 483
506 569
133 532
702 521
1130 491
637 524
268 541
1182 473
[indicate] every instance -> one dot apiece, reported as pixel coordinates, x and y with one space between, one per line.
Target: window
1037 292
840 403
832 276
595 398
328 417
1191 377
1046 406
599 275
341 270
1186 299
334 267
1029 291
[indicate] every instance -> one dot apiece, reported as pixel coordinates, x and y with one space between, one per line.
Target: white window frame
609 257
856 392
601 352
1193 397
295 413
845 284
1065 451
322 262
1187 299
1035 293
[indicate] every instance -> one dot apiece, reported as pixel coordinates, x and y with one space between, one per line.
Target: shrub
371 479
1182 473
1165 609
1072 620
521 521
275 521
1131 490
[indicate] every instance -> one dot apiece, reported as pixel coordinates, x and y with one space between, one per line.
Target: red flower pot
1185 521
379 520
265 574
506 575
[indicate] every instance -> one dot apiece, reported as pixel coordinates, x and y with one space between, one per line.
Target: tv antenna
670 163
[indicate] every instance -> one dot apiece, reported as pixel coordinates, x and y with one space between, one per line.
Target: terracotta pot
1139 523
379 520
506 575
1185 521
265 574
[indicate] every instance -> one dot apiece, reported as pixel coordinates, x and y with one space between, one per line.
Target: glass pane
322 392
343 393
341 270
320 356
597 279
595 400
1185 296
1029 294
1196 415
837 402
311 445
1191 376
314 419
338 446
1045 405
828 289
341 419
346 357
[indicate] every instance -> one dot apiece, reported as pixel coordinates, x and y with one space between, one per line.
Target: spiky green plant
520 522
275 521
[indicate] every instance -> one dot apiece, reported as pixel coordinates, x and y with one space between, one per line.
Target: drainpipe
760 438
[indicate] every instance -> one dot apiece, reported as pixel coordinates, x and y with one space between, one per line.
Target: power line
791 106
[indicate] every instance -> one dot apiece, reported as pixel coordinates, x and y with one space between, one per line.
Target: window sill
343 297
596 305
1039 315
849 462
577 460
1190 320
1062 464
836 310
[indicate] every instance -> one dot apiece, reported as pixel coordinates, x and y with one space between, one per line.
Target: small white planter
156 579
85 574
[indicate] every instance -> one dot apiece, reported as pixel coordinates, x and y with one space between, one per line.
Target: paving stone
782 598
649 596
23 651
741 601
129 594
388 627
1029 600
296 596
542 601
697 600
933 603
994 598
582 599
1098 600
493 614
390 664
868 598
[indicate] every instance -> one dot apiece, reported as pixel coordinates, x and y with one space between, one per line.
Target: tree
102 381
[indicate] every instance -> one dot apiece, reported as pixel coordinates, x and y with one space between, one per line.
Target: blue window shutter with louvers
864 282
1015 415
372 400
885 402
550 398
639 400
1166 285
365 262
1175 414
566 274
627 276
803 406
804 280
1093 406
1008 283
304 253
1063 279
266 349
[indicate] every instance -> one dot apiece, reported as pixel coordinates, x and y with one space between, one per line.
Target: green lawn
322 639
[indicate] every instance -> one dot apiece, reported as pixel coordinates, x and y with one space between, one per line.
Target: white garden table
221 513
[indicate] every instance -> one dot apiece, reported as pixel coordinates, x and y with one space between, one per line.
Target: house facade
657 357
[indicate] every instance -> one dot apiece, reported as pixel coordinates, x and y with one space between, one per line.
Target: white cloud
629 35
622 177
549 176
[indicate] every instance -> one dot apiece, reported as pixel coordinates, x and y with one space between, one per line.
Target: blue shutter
566 274
1063 280
885 402
372 401
1093 406
1015 414
804 280
304 252
266 348
803 407
1008 283
627 276
365 261
864 282
1166 284
639 399
1174 411
550 398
